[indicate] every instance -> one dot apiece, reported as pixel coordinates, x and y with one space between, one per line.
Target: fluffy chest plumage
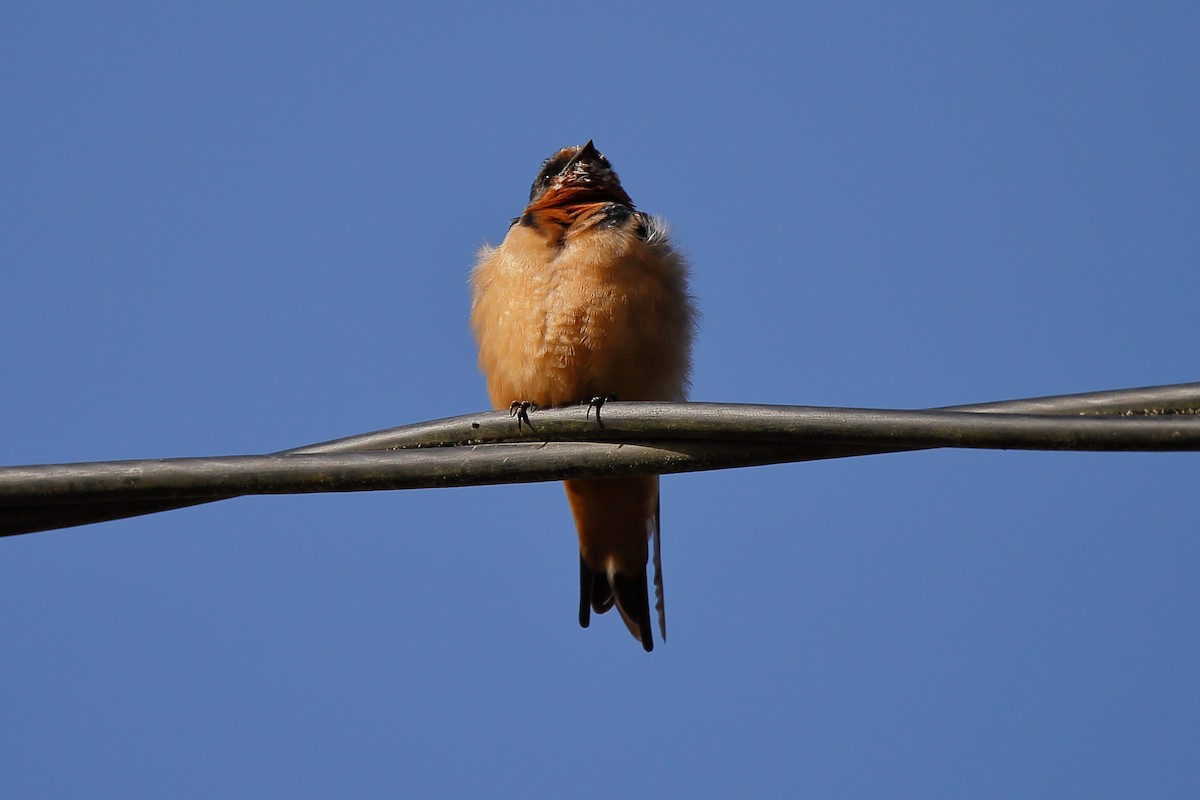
562 316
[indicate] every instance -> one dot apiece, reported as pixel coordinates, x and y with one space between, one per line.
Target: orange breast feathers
565 310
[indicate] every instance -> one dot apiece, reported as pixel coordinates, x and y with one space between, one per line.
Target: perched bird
586 299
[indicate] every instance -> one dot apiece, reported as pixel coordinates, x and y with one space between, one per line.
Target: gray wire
567 442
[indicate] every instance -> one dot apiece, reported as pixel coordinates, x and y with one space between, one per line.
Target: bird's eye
551 168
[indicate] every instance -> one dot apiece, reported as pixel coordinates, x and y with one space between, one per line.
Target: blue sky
237 228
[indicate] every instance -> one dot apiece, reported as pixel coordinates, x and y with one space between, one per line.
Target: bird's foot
597 403
520 409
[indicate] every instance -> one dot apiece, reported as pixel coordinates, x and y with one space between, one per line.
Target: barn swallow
586 299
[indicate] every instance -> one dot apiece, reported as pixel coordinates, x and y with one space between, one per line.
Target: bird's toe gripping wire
520 409
597 403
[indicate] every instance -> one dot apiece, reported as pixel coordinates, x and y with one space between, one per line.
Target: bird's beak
586 153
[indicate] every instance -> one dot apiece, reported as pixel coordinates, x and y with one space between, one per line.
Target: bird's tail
616 518
600 591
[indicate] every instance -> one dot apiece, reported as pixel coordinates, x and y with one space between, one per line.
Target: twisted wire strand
569 442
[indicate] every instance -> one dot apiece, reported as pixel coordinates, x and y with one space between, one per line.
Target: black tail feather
629 594
594 593
586 579
634 604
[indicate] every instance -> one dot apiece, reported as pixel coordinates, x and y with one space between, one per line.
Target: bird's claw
597 403
520 409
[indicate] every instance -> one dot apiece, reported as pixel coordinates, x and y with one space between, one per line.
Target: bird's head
576 175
